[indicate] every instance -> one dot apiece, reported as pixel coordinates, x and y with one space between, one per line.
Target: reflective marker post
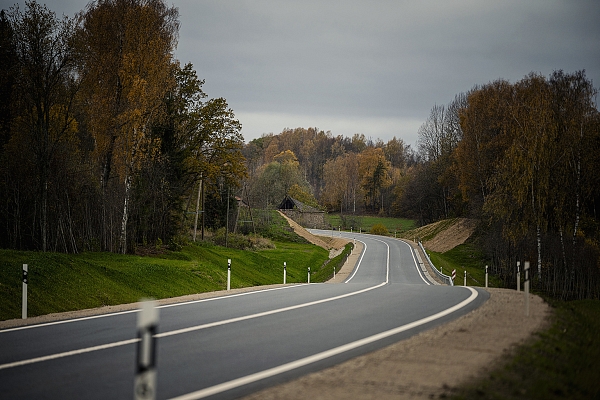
526 288
24 309
486 276
518 276
465 283
284 272
308 274
145 373
229 274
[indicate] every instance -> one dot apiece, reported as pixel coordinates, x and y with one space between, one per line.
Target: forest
108 143
105 137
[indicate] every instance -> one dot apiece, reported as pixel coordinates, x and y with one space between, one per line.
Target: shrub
241 242
379 229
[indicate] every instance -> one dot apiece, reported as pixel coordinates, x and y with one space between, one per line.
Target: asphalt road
229 346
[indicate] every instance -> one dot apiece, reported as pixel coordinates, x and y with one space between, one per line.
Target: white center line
184 330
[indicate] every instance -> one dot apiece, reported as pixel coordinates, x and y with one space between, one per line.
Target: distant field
364 223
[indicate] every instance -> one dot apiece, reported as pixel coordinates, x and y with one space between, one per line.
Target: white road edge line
359 261
184 330
68 353
320 356
412 253
114 314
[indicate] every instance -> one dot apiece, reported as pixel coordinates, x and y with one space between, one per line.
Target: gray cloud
372 67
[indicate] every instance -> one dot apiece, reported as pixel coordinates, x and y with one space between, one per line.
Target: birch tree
125 48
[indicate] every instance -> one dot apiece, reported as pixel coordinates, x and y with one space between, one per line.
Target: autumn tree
8 75
343 189
125 52
395 152
275 180
336 182
44 87
484 122
201 145
374 174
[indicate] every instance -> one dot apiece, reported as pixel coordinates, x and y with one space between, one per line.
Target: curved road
229 346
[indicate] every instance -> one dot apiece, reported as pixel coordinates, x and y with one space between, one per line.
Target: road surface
229 346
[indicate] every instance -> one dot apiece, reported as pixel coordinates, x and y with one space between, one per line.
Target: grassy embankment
559 363
66 282
465 257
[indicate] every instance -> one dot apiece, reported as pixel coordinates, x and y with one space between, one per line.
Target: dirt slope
444 235
334 244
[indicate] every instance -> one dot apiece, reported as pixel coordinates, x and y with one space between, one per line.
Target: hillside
443 235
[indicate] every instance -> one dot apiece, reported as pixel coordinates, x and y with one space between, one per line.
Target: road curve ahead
229 346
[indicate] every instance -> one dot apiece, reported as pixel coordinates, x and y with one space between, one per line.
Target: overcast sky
370 67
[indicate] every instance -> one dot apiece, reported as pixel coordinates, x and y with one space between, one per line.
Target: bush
241 242
177 243
379 229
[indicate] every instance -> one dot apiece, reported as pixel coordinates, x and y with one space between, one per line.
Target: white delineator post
486 276
526 288
145 374
308 274
229 274
284 272
24 308
518 276
465 282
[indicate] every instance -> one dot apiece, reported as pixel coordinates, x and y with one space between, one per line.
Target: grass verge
326 271
365 222
560 363
465 257
66 282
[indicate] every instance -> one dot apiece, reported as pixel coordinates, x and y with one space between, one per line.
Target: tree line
105 138
353 175
520 157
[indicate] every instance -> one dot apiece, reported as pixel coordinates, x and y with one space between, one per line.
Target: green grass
65 282
560 363
365 223
465 257
278 229
325 272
